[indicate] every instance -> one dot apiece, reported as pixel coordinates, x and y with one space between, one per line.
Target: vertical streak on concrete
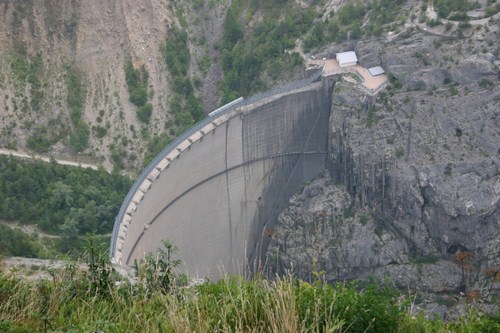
282 196
228 194
245 211
300 123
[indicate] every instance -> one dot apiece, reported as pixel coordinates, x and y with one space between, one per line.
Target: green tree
61 196
233 30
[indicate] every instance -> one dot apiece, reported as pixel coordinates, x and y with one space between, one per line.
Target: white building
346 59
375 71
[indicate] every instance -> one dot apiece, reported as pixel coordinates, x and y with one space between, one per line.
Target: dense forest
57 199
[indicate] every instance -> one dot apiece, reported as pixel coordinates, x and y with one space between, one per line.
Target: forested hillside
68 202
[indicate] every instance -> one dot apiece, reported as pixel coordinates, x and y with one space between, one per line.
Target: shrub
42 139
184 104
156 271
144 112
79 138
448 169
137 83
485 83
14 242
155 146
100 131
138 96
399 152
262 52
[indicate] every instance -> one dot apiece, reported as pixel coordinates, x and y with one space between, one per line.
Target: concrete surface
216 196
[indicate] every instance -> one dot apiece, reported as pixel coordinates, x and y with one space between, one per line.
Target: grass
159 300
71 303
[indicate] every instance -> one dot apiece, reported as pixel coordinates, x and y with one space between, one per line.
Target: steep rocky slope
47 46
415 185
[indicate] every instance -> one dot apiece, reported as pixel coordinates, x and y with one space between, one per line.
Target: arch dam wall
216 191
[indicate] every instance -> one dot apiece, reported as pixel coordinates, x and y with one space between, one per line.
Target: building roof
377 70
346 57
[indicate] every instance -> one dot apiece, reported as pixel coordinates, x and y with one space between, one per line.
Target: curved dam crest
217 190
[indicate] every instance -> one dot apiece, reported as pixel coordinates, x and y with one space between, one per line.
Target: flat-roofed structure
346 59
375 71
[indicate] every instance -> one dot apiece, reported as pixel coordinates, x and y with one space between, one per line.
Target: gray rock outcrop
416 174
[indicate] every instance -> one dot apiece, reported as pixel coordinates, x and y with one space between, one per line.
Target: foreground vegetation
159 301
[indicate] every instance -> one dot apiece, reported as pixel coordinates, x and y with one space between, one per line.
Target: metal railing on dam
221 112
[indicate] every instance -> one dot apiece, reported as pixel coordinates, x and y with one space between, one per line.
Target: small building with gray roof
346 59
375 71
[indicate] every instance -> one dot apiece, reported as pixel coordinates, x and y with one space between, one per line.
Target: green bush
184 119
485 83
184 105
177 54
144 112
79 138
14 242
351 12
42 139
233 30
399 152
100 131
76 91
137 84
138 96
353 21
155 146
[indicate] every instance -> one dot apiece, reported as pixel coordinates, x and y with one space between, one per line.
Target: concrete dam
217 190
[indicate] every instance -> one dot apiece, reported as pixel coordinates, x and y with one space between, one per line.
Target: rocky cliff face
415 185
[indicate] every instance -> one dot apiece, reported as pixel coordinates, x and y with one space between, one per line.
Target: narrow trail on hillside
47 159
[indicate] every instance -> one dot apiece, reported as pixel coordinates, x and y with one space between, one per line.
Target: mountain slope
62 70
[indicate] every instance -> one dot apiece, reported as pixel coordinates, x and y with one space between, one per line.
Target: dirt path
432 14
28 229
46 159
33 269
439 30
